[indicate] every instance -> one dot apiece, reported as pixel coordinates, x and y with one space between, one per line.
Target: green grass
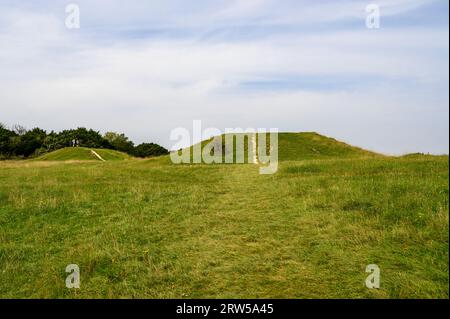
295 146
151 229
310 145
82 154
112 155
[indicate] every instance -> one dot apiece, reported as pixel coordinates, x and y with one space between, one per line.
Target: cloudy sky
147 67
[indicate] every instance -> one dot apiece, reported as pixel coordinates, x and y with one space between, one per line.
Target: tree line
18 142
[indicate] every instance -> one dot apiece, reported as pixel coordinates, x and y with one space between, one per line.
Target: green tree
149 149
119 142
51 142
83 137
6 141
28 143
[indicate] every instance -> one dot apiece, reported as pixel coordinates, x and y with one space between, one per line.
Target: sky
145 68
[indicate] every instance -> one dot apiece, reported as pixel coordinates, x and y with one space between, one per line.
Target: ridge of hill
83 154
296 146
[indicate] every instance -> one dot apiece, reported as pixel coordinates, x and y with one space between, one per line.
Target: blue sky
147 67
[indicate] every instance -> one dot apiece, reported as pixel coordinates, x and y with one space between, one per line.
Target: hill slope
82 154
311 145
291 147
302 146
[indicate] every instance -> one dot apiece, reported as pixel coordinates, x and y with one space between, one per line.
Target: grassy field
151 229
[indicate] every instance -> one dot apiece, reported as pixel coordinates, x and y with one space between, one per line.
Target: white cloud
56 78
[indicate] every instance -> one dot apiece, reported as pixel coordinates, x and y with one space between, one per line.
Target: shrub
149 149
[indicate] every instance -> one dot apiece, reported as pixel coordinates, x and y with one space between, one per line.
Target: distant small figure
75 143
